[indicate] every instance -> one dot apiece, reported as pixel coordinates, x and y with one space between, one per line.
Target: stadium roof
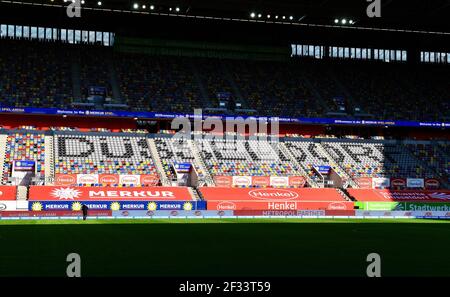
395 14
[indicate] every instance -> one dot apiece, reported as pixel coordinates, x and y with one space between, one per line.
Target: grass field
225 247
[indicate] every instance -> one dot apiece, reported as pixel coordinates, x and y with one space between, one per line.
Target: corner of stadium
239 139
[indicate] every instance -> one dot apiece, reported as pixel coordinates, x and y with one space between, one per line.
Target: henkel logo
66 179
109 179
271 194
129 179
278 181
432 183
261 181
1 193
297 181
149 180
226 205
397 182
88 179
242 181
365 183
337 206
223 181
282 205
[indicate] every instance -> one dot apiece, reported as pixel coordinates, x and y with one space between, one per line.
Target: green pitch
225 247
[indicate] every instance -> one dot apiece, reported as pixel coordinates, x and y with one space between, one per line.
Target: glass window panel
63 34
432 59
404 56
33 32
48 33
10 30
55 34
91 36
41 33
70 37
19 31
77 36
317 52
3 32
84 36
26 32
105 39
363 53
98 36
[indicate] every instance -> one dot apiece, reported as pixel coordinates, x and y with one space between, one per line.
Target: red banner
270 194
55 193
279 205
8 193
399 196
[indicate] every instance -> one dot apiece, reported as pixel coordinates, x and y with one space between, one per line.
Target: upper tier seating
157 83
52 73
244 157
85 154
34 75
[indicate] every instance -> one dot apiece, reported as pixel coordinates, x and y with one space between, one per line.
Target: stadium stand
308 155
375 159
244 157
157 83
172 151
166 83
89 154
42 79
24 146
